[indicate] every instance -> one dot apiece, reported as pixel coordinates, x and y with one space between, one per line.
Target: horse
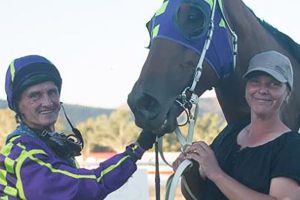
170 67
180 31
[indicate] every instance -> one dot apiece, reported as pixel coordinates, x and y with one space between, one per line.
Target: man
37 162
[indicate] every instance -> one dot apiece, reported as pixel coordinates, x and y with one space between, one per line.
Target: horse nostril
148 106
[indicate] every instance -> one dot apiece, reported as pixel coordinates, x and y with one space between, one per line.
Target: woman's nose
263 89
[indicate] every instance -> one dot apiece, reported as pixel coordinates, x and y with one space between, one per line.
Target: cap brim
275 74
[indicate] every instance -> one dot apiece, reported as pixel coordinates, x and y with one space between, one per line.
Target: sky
99 46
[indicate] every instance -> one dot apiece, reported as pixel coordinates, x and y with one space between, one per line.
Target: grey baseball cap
273 63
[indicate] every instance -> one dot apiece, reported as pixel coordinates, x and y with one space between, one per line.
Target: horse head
191 49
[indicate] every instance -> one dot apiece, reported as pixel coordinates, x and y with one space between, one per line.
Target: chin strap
76 137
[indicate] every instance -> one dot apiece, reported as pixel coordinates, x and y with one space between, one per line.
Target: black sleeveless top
254 167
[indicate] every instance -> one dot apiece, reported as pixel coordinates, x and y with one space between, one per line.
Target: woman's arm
285 188
281 188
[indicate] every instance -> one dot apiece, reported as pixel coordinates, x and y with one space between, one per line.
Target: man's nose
46 101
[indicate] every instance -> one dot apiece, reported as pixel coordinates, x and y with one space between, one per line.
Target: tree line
114 131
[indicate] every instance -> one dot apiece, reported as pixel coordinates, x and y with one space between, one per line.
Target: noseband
214 55
221 55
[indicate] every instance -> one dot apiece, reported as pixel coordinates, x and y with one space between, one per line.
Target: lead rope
157 178
185 142
233 34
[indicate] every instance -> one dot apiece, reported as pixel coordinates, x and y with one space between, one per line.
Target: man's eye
53 93
34 95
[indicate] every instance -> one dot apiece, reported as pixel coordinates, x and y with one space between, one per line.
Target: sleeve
287 162
41 176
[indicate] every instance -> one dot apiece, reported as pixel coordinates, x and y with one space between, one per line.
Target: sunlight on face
265 94
39 105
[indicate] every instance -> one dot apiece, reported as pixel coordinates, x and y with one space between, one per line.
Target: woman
257 159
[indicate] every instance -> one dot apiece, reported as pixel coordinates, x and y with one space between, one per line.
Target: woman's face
265 94
39 105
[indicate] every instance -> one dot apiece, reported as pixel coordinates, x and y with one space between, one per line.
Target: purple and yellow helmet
27 71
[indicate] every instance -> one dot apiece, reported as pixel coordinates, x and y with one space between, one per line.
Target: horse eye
193 18
190 20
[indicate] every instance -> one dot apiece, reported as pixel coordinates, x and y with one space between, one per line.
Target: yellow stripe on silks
11 191
9 165
221 5
155 31
8 162
4 198
7 189
30 155
54 170
7 148
3 177
135 146
12 70
162 9
112 167
222 23
20 160
211 3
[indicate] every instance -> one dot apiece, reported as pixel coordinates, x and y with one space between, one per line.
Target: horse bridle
184 99
188 98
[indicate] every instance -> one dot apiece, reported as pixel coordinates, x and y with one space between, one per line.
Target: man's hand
146 139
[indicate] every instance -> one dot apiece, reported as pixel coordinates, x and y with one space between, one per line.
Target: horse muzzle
152 114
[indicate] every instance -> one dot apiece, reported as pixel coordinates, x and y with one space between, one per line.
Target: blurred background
99 48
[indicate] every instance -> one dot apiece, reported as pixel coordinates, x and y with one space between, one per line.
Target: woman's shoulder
228 135
292 134
290 138
288 143
232 129
286 152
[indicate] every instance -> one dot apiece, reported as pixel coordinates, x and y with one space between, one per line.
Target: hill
210 105
79 113
76 113
3 104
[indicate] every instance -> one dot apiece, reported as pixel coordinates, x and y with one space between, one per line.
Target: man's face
39 105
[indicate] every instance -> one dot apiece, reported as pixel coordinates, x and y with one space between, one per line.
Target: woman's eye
253 80
276 84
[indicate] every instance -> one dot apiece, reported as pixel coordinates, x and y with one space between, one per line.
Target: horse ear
149 26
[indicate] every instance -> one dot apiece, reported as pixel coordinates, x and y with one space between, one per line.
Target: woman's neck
261 131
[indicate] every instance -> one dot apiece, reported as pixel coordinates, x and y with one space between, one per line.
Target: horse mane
282 38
